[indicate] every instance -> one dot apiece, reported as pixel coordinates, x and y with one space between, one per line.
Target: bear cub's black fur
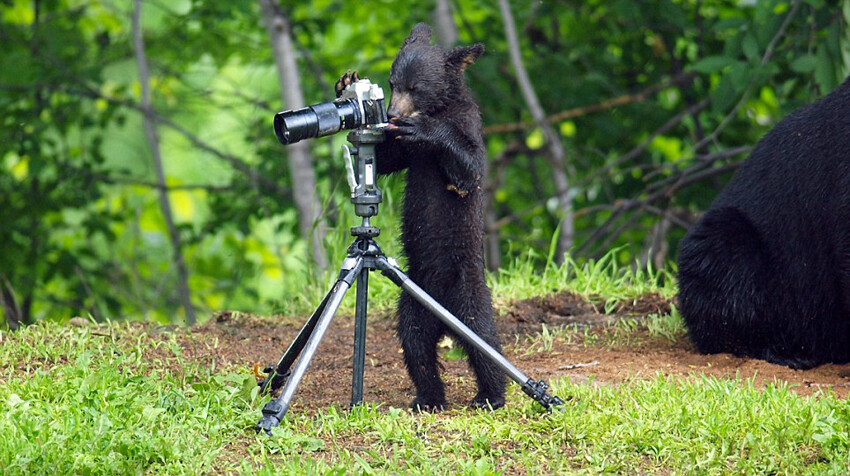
437 138
766 271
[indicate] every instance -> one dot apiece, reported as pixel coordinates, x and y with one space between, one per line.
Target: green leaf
751 47
455 353
149 413
311 445
711 64
766 30
733 48
833 39
740 75
723 97
568 129
729 24
673 14
365 467
180 7
15 400
804 64
19 13
669 147
535 139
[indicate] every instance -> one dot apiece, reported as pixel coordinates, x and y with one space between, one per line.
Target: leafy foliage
656 103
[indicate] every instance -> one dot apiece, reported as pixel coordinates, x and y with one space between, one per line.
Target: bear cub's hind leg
419 333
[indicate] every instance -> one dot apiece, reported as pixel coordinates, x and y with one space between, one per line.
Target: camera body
360 104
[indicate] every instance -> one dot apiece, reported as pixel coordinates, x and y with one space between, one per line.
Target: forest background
140 176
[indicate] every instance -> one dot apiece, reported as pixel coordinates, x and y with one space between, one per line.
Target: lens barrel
316 121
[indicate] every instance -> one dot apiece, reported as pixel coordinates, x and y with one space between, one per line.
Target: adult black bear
766 271
437 138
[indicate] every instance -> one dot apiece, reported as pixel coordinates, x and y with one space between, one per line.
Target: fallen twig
578 365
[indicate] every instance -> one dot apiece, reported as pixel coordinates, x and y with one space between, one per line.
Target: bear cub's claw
421 405
412 128
487 403
345 81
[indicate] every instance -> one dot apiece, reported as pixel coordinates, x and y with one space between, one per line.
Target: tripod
364 255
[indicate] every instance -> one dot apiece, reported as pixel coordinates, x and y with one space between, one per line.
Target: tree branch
591 108
444 23
553 140
153 142
310 222
196 141
700 171
768 52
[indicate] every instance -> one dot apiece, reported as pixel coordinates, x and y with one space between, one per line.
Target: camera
360 104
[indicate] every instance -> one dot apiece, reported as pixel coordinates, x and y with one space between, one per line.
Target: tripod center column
366 195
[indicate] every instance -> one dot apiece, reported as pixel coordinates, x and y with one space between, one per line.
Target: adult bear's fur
766 271
440 143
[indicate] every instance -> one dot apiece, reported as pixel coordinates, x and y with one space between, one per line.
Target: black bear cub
436 136
766 271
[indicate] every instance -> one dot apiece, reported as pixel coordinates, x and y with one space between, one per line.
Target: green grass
79 403
602 281
623 332
112 400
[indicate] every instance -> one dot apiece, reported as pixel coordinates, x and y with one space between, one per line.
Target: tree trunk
657 248
153 143
557 155
11 309
444 24
310 222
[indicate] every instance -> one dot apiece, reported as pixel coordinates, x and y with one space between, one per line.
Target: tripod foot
270 417
273 381
537 391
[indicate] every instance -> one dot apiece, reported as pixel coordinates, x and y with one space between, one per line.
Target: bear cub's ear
463 56
421 33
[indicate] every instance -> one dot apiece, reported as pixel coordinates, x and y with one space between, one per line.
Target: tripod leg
536 390
359 337
278 375
274 411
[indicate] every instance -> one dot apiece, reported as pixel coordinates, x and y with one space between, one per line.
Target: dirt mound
564 309
241 340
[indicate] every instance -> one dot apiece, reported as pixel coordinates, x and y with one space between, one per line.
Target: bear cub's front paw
416 128
345 81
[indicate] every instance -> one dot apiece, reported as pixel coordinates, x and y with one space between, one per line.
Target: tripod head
360 108
361 168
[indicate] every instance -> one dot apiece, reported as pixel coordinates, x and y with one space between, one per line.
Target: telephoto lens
316 121
361 104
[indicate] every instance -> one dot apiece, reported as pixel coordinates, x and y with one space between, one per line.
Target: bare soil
238 339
